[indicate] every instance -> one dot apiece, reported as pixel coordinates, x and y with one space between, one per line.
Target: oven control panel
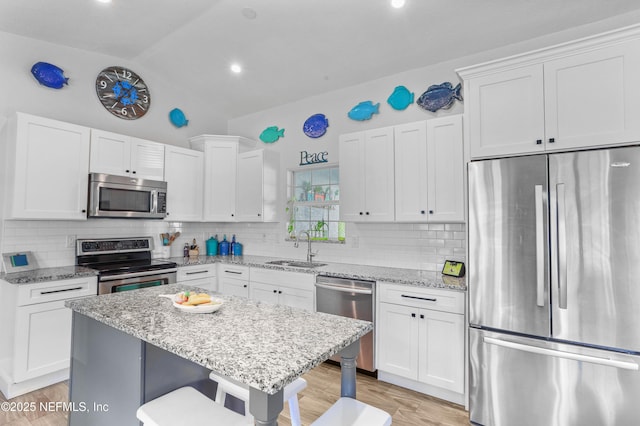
111 245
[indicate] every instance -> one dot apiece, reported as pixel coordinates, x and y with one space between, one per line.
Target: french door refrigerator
554 289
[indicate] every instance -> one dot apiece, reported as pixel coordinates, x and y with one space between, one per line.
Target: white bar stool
350 412
187 407
240 391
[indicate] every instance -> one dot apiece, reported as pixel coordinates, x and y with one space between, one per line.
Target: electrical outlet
71 241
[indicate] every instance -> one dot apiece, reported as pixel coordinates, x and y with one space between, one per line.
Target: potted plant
320 230
307 195
318 193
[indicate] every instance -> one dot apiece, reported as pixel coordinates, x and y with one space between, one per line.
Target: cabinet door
110 153
379 175
398 340
506 112
234 287
296 298
445 169
250 186
51 169
410 149
264 292
351 171
441 350
592 98
184 176
220 181
42 340
147 159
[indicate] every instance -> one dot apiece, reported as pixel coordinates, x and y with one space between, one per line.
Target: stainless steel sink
295 263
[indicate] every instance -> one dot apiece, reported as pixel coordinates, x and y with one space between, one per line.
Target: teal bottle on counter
224 246
212 246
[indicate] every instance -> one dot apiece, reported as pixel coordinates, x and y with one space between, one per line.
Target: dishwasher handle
344 289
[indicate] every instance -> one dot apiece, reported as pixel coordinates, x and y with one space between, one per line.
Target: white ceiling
293 48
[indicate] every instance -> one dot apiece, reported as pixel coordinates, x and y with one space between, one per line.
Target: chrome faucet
310 254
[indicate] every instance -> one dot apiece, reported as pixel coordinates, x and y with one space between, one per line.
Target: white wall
78 103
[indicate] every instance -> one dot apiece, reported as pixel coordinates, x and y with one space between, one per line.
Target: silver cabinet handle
61 290
540 260
197 272
233 272
561 354
562 247
344 289
428 299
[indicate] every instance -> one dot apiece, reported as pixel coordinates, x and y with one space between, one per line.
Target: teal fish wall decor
49 75
401 98
177 117
271 134
363 111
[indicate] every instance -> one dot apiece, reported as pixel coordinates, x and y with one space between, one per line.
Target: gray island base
132 347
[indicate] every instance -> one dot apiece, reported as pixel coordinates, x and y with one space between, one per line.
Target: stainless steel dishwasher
353 299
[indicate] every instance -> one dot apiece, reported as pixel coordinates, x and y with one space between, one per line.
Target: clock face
123 93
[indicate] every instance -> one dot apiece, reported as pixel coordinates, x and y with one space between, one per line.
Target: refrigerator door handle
561 354
562 247
540 237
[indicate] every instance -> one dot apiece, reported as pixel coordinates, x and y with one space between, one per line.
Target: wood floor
407 408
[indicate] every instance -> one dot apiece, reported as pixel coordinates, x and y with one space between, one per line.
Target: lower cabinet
421 334
295 289
35 334
234 280
205 276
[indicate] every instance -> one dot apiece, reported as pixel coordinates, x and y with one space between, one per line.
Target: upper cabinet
577 95
367 176
429 171
123 155
257 186
183 173
47 171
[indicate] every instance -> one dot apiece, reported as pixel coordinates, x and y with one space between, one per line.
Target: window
314 204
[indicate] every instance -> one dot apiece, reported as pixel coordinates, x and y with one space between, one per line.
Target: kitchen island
132 347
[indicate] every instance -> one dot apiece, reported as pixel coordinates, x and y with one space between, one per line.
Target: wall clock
123 93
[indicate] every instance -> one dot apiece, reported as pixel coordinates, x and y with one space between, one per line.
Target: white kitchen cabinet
233 279
123 155
205 276
420 337
429 171
47 166
220 173
295 289
577 95
36 332
367 176
257 190
184 172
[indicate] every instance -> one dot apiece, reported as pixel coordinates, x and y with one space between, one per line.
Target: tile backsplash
415 246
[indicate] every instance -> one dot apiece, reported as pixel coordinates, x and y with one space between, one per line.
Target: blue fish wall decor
177 117
315 126
363 111
271 134
49 75
401 98
439 96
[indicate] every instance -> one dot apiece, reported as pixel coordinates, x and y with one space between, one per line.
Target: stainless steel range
124 263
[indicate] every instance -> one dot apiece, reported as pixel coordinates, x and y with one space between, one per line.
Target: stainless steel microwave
120 196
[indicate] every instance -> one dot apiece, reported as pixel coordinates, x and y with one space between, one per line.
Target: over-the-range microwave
125 197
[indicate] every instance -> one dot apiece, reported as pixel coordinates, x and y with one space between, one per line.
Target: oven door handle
344 289
137 274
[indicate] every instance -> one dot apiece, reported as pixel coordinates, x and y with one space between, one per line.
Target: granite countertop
414 277
263 345
48 274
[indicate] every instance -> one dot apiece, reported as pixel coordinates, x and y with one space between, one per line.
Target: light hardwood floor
407 408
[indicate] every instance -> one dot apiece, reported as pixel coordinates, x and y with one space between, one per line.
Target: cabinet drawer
234 271
283 278
436 299
57 290
195 272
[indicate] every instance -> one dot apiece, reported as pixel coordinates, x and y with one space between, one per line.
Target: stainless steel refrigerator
554 289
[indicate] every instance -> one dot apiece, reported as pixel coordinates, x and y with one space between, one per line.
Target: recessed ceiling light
104 1
397 3
249 13
236 68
